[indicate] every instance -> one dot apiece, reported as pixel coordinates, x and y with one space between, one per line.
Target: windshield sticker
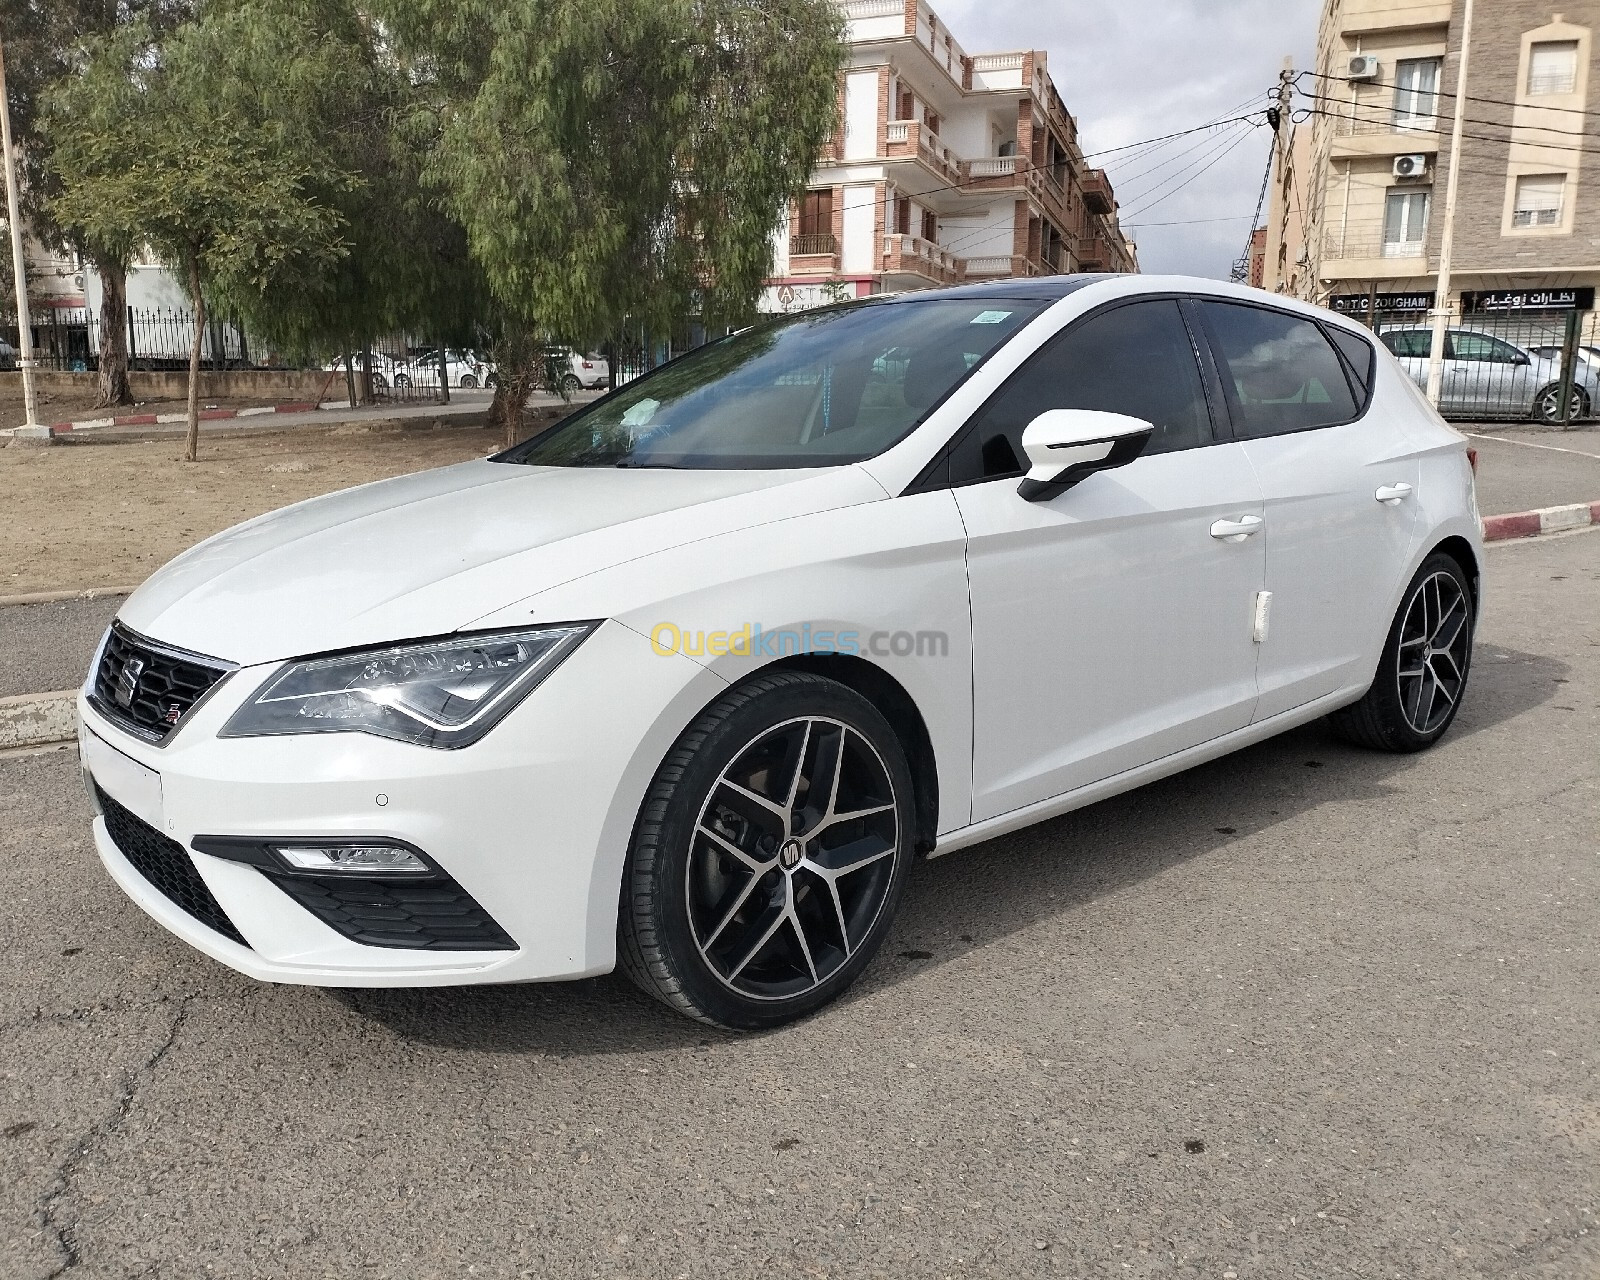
989 317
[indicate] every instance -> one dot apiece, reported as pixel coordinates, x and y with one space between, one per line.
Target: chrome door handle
1394 494
1237 530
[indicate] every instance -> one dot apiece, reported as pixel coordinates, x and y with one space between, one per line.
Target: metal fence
1501 363
67 340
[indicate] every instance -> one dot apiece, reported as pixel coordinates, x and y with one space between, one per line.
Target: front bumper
533 821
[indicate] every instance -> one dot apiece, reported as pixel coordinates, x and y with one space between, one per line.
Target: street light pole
18 263
1441 297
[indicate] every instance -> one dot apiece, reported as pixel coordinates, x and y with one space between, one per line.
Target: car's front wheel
1423 672
570 383
468 382
769 855
1547 405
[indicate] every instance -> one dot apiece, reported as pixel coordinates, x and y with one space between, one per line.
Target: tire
468 382
724 918
402 382
1402 711
1547 405
570 383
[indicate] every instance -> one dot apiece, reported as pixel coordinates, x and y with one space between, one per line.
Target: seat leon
689 682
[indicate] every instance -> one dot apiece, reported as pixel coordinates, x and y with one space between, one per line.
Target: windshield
818 389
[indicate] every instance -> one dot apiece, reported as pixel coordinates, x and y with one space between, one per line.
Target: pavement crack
49 1214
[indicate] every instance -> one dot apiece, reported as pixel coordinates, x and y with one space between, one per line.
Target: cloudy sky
1136 69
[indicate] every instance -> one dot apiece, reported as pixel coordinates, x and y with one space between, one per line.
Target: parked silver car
1488 377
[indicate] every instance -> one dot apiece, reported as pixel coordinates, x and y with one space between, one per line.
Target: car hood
428 554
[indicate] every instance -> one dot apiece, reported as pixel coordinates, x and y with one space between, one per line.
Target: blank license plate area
123 778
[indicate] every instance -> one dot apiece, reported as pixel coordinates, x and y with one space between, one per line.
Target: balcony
910 140
1097 192
1378 131
1094 253
813 253
1364 250
912 255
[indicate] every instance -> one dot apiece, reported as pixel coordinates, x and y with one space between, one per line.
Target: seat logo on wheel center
790 854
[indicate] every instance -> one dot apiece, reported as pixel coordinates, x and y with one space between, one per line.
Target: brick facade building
947 167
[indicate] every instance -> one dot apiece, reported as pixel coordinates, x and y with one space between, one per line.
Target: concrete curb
54 597
38 719
1530 524
55 429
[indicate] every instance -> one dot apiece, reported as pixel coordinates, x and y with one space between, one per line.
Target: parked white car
690 681
574 371
465 369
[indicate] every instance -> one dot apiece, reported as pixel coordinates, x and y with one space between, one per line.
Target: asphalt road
45 647
1522 470
1308 1011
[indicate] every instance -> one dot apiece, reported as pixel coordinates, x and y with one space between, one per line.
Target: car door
1339 484
1410 347
1485 377
1111 624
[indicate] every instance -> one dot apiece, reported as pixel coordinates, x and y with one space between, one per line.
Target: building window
1405 224
930 121
908 105
1553 68
930 227
1539 200
816 213
1416 93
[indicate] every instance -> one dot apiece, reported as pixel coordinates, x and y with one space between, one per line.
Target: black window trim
1362 402
1362 386
936 474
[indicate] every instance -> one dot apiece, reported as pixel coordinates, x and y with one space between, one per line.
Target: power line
1386 114
1255 221
1151 204
1495 102
1127 179
1225 142
1563 148
1182 133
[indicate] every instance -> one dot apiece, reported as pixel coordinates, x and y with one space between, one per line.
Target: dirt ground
107 515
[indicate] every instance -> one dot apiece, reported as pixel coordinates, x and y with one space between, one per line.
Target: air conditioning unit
1362 67
1414 166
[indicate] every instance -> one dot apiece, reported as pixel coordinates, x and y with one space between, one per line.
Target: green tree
44 42
614 159
193 144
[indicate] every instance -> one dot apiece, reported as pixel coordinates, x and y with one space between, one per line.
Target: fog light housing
359 859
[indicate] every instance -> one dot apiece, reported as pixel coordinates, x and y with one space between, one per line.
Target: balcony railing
916 256
1097 193
1374 120
1369 242
857 9
993 267
812 245
993 167
906 138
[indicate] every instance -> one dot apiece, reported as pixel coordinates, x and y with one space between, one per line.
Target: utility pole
1277 212
18 262
1441 296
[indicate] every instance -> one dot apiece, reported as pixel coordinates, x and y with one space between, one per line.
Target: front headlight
441 693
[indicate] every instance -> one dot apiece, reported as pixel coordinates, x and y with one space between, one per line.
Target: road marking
1529 444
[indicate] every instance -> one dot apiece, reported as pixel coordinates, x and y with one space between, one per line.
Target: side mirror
1523 358
1065 446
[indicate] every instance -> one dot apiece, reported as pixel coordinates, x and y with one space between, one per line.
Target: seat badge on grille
128 682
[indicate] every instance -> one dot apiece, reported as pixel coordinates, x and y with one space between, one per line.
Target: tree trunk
444 376
114 388
192 447
520 363
350 379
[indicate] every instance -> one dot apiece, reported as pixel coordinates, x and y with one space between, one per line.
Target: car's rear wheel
570 383
1422 675
769 855
402 381
1547 405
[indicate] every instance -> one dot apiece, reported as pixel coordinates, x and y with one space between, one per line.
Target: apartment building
947 167
1383 96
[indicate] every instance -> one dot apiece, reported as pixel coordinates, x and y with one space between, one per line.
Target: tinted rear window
1359 355
1280 373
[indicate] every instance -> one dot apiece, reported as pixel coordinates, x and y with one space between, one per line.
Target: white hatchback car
690 680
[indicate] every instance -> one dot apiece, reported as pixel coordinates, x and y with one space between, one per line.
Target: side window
1281 374
1414 344
1358 354
1474 346
1136 360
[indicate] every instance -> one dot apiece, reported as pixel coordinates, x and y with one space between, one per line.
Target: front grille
425 915
166 864
148 688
